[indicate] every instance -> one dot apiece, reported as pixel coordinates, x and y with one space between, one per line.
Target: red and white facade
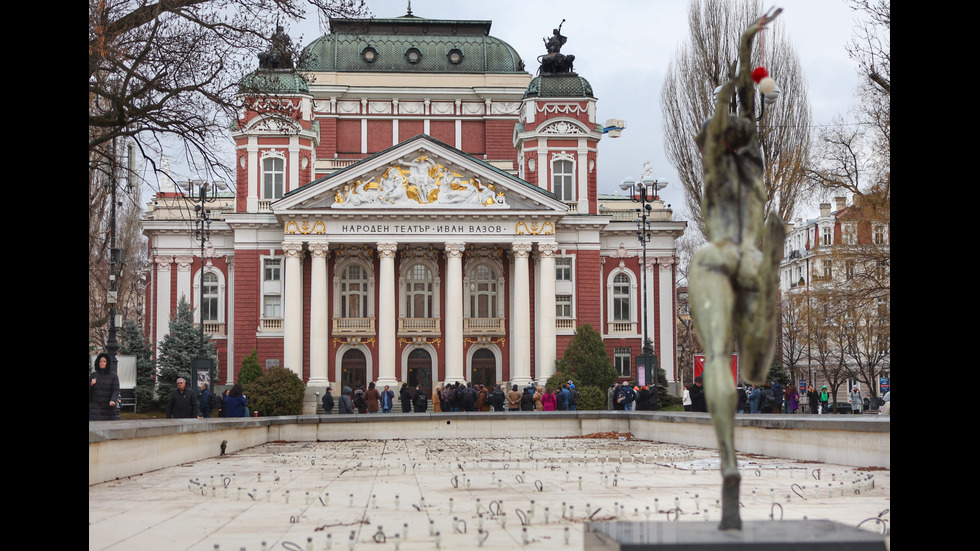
396 227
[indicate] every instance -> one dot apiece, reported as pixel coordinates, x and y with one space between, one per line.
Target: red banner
699 366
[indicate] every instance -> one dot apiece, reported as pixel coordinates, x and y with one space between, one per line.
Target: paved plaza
459 494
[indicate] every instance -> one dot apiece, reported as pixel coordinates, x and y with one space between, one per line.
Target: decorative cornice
547 228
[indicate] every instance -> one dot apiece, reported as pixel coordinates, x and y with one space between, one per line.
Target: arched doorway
420 369
353 369
484 368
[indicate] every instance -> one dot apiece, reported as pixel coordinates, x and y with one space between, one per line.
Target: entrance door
353 370
420 369
484 368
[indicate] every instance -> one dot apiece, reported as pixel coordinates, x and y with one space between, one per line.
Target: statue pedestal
798 535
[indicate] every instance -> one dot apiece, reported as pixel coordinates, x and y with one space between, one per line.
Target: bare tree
166 73
793 320
705 62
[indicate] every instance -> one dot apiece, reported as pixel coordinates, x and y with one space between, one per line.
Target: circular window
413 55
455 56
369 54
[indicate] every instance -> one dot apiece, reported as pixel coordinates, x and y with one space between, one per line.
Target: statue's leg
712 302
756 307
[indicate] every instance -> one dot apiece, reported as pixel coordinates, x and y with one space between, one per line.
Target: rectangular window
272 306
562 180
879 234
563 269
621 360
273 269
827 271
849 269
563 306
273 177
827 235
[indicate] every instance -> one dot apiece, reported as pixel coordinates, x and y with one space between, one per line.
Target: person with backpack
527 399
467 398
572 397
420 400
345 405
497 398
768 399
359 402
208 401
626 397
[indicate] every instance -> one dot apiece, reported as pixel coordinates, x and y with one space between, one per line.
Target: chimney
841 203
824 210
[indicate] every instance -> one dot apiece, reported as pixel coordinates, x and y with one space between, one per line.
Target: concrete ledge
126 448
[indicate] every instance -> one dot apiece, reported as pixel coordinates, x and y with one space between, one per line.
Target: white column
666 316
520 369
319 376
163 298
184 281
544 334
386 315
230 319
292 323
453 332
254 171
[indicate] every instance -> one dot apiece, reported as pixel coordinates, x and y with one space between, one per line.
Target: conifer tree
586 359
251 369
178 347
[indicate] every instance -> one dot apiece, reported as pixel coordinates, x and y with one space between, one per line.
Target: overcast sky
622 47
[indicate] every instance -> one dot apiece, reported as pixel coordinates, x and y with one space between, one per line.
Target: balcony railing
418 326
484 326
622 327
213 328
565 324
270 325
353 326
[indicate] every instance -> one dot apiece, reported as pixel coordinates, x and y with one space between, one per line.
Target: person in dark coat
205 401
345 405
420 400
698 402
328 400
103 391
236 402
183 402
405 395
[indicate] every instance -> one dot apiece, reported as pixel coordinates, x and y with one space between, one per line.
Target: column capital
547 249
292 249
521 249
455 249
319 249
183 262
666 262
163 262
387 250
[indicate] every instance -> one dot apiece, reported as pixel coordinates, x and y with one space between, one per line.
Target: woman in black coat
103 391
405 395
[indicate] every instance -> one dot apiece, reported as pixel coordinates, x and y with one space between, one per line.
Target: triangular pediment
419 174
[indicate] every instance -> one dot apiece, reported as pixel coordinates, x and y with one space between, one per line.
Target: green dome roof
559 86
410 44
274 81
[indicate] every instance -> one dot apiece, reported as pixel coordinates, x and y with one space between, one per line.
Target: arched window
418 288
563 179
483 292
273 177
622 298
353 292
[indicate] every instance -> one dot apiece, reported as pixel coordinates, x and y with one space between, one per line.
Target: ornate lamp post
201 193
644 192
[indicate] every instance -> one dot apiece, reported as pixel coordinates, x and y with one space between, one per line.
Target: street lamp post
201 193
644 192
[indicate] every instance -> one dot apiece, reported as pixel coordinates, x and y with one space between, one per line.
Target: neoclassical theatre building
414 204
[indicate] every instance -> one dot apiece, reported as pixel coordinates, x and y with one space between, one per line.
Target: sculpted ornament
418 182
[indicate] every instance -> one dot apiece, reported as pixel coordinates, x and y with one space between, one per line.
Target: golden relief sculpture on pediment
419 182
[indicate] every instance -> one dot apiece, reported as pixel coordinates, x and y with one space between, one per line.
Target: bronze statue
554 61
734 277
